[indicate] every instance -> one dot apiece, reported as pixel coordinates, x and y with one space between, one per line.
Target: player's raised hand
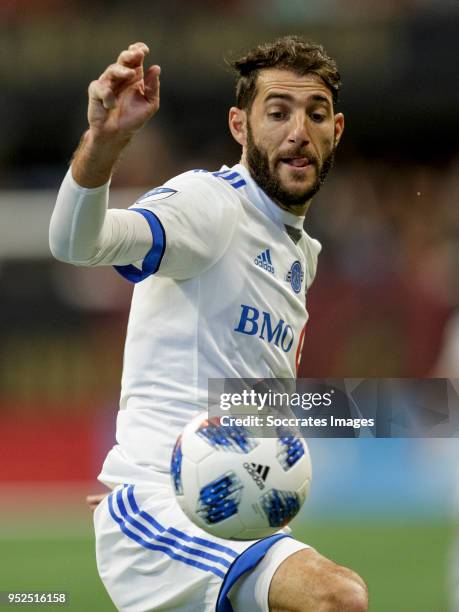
125 96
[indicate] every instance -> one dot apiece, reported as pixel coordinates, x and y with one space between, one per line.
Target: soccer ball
235 486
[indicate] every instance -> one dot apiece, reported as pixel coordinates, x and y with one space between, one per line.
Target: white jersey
221 294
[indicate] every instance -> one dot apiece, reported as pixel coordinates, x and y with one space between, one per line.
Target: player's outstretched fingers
140 45
132 58
100 92
151 81
118 76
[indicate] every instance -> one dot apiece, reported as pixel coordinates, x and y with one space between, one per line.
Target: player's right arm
120 102
177 233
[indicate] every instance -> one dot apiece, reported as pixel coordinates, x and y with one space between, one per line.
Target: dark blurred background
386 297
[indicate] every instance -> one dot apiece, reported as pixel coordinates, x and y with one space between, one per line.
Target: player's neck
299 210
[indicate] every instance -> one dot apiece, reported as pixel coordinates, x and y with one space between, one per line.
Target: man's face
292 134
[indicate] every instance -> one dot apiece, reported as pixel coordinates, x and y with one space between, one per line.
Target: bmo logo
254 323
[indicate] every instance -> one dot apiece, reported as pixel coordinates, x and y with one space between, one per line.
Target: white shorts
150 556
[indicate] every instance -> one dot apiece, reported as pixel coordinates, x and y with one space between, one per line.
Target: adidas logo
263 260
258 472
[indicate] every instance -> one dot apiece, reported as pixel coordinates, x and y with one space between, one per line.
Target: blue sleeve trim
244 563
153 258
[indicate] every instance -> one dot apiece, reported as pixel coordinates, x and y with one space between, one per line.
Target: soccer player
221 265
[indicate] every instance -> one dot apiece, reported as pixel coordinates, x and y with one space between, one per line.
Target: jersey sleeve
84 233
192 219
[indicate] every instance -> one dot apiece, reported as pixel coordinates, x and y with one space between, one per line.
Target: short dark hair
289 52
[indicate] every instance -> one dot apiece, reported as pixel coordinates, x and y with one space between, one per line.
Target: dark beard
258 163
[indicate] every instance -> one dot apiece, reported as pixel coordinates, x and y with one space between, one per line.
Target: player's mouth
296 162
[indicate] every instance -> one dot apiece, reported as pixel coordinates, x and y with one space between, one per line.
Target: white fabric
83 232
221 305
187 322
251 591
139 577
199 221
183 332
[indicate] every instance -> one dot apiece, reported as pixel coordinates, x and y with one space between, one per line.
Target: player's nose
299 134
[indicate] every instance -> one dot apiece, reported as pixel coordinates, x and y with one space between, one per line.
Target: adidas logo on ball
258 472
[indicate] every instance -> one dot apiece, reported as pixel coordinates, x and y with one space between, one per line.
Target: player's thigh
151 557
309 582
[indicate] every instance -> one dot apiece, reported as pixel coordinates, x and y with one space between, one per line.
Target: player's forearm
77 221
83 232
95 159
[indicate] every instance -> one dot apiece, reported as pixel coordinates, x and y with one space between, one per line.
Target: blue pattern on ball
291 448
226 438
176 467
220 499
280 506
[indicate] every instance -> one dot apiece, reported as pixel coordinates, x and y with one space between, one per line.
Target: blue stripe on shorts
154 536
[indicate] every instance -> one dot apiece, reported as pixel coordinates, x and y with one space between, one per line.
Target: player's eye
318 117
277 115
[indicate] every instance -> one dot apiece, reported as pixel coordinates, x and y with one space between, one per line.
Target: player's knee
347 595
308 582
341 590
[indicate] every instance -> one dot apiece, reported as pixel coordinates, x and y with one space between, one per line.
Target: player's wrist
95 159
111 143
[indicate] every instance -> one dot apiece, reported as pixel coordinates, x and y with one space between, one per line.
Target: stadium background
384 304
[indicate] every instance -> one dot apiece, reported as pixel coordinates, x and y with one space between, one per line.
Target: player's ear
237 121
339 127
